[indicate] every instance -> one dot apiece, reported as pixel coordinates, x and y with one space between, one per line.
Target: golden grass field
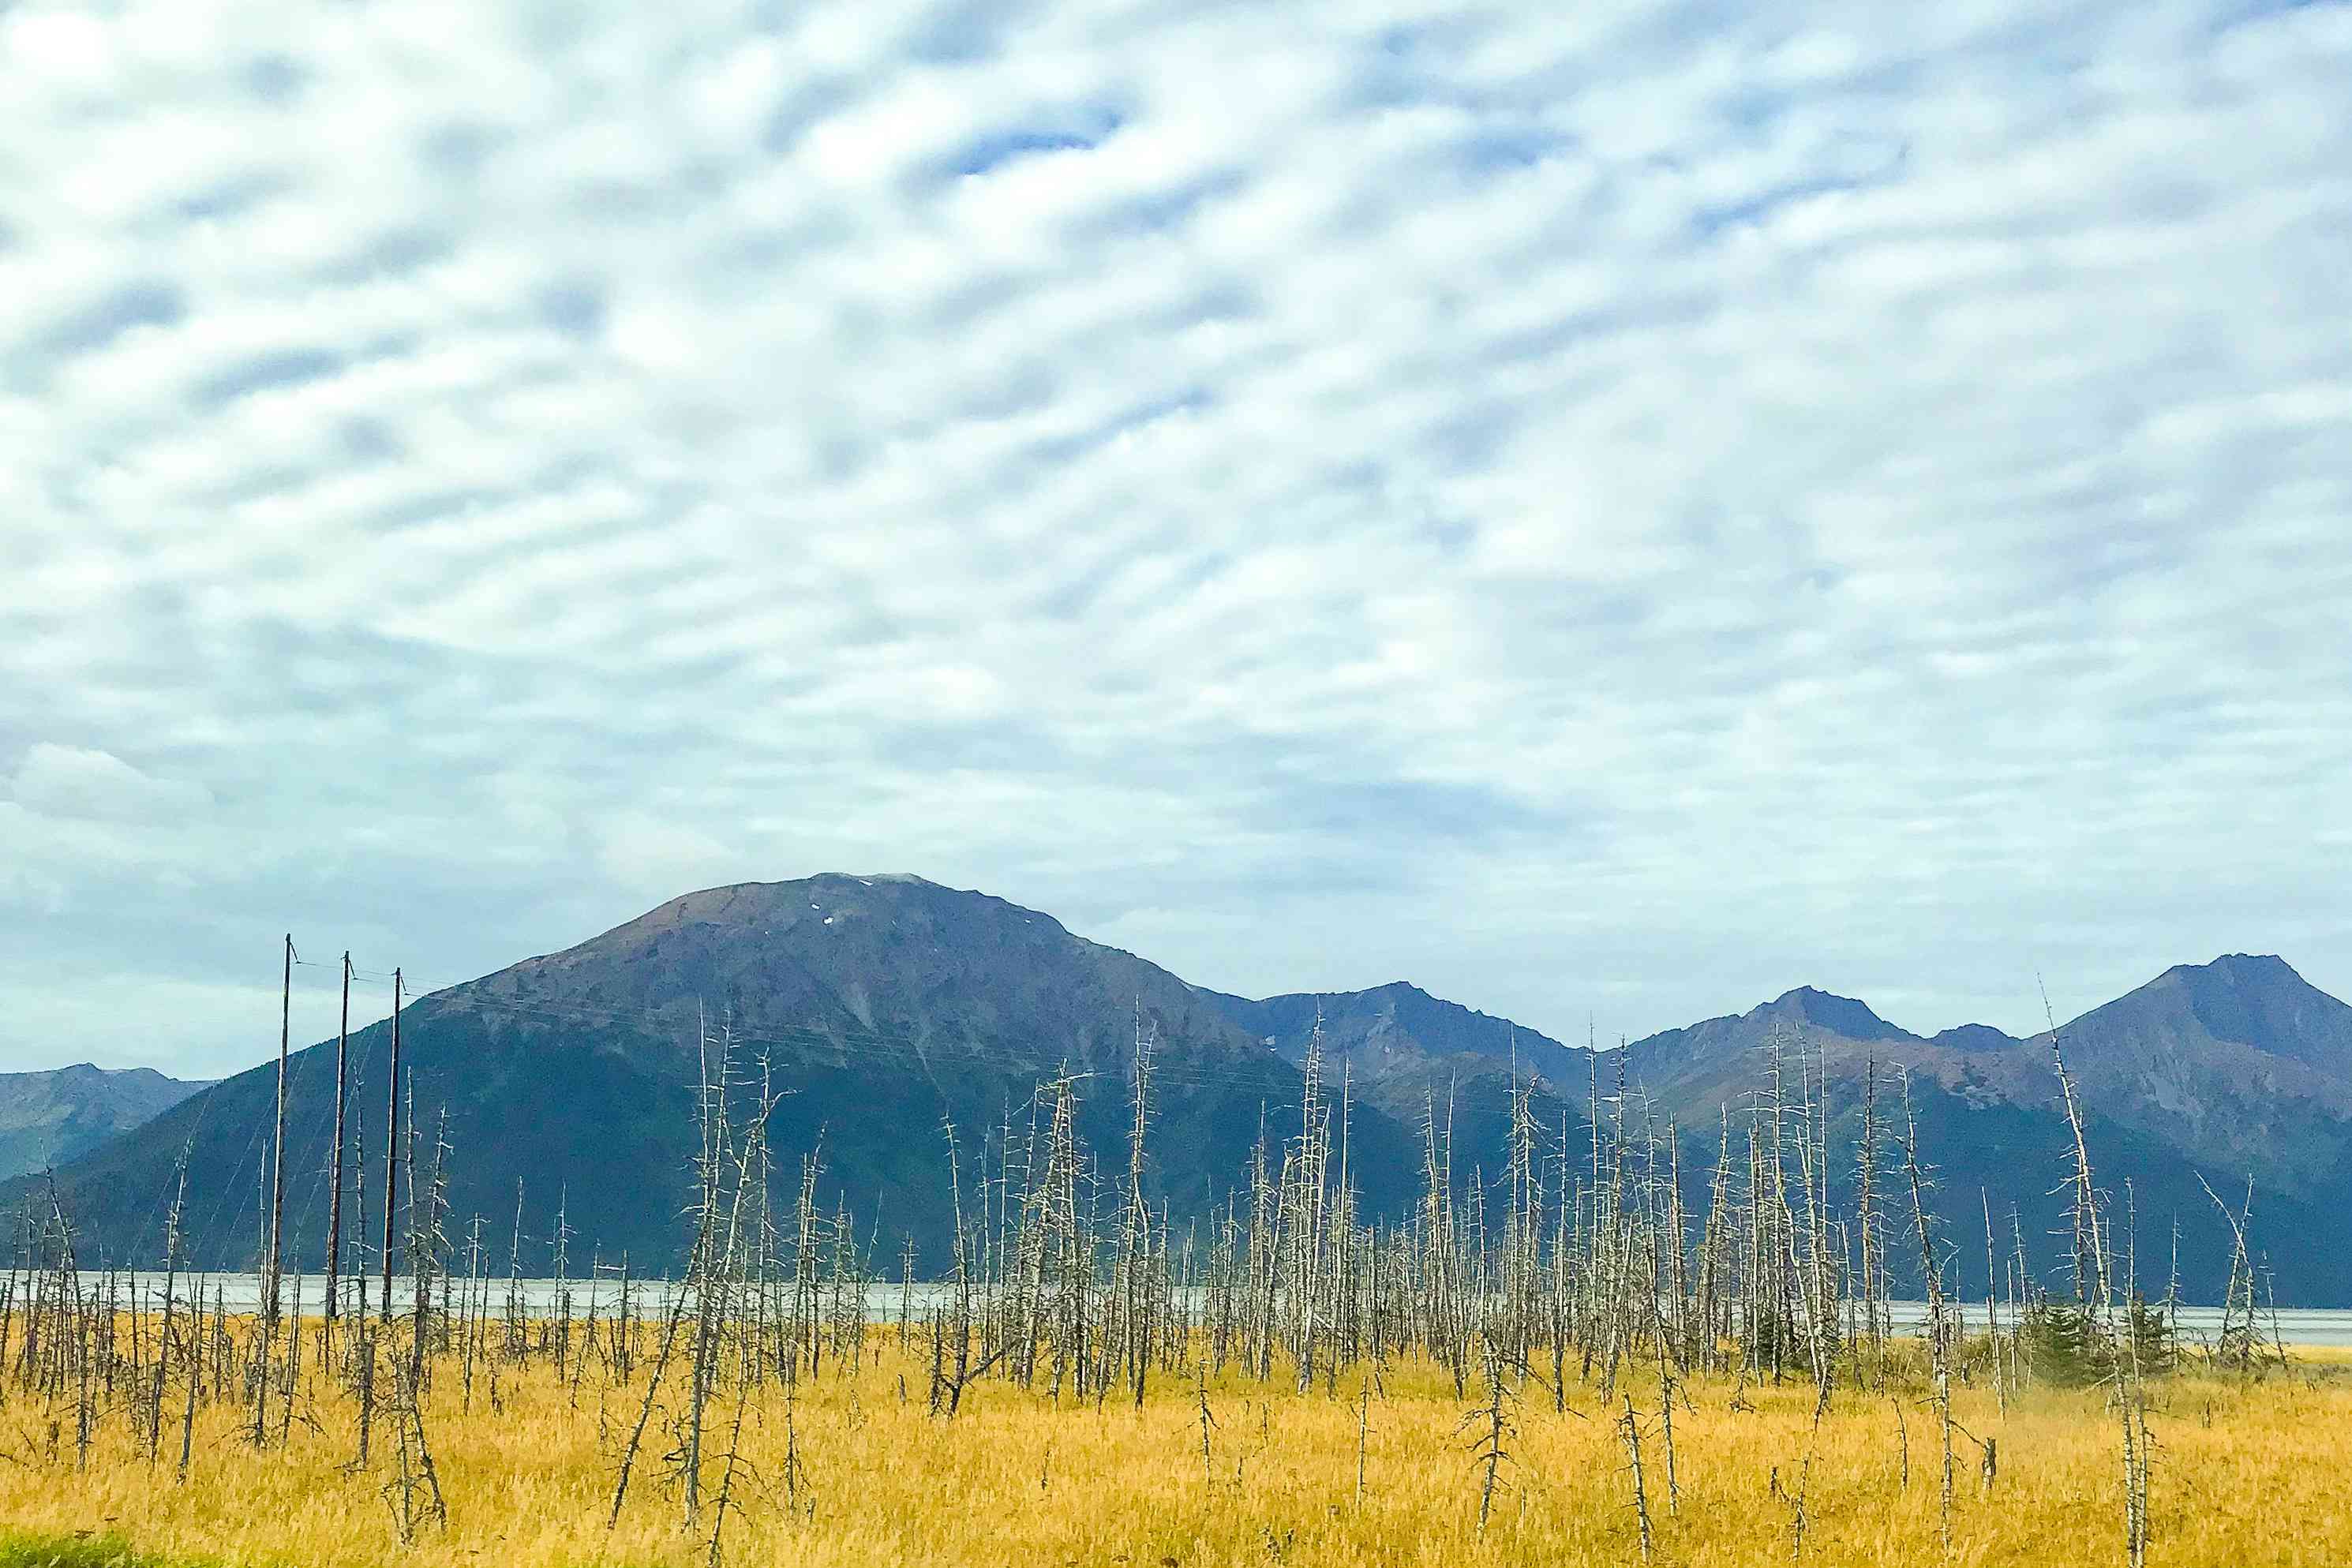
2256 1473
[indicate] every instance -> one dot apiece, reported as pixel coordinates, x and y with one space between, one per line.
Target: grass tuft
81 1549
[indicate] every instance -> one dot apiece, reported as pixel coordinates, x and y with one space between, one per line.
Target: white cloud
77 782
1627 512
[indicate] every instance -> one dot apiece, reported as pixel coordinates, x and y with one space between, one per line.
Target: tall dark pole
277 1151
335 1168
391 1144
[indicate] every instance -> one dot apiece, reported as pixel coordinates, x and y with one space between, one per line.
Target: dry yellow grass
2246 1474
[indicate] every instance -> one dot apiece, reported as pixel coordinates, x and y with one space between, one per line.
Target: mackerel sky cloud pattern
1606 513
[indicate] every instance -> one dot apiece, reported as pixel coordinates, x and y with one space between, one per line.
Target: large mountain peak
1841 1016
2239 1063
900 962
2254 1000
2249 978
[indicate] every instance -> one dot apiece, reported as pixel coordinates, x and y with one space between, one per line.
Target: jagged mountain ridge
2225 1073
2237 1065
885 1008
53 1116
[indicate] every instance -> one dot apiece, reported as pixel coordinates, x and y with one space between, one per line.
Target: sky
1606 512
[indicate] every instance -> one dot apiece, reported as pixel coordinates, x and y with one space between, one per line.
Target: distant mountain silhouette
1397 1028
883 1008
50 1118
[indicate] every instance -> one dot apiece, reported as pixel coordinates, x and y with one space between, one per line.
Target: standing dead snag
1629 1430
1669 1386
1492 1427
1134 1265
671 1322
1939 1342
1993 1311
416 1477
335 1168
2238 1341
706 1215
391 1148
1208 1422
164 1344
2093 1283
954 1324
710 1268
274 1262
1873 1267
735 1466
1363 1435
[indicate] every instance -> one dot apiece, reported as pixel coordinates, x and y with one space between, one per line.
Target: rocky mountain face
50 1118
889 1018
2240 1065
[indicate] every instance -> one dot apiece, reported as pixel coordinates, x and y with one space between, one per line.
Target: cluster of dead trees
1582 1266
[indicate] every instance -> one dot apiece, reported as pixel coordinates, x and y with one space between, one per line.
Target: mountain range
50 1118
892 1016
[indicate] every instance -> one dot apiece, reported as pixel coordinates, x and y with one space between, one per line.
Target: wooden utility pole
335 1169
391 1144
278 1149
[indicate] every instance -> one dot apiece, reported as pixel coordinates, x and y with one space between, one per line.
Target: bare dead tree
1628 1431
1939 1341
